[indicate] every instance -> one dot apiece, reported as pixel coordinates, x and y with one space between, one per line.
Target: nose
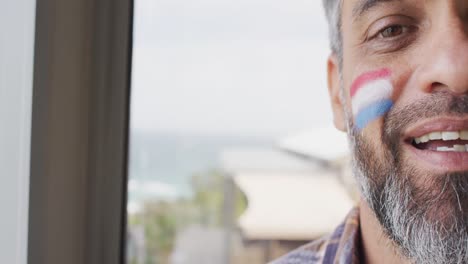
445 62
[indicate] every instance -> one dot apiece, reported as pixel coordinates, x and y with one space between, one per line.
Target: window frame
79 142
17 53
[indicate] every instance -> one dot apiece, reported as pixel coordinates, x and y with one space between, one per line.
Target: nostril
438 87
453 90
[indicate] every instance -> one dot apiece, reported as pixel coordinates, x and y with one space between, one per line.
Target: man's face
405 81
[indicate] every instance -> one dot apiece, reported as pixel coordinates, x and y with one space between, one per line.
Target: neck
376 246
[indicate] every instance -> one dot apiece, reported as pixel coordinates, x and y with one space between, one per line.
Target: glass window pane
224 93
17 21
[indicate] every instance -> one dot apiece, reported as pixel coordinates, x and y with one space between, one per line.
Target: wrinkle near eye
364 24
391 35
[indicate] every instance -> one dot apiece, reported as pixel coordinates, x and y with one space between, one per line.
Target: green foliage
162 219
208 198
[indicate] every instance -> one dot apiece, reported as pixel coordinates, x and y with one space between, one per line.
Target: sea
162 164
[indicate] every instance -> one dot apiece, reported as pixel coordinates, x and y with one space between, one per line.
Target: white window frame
17 21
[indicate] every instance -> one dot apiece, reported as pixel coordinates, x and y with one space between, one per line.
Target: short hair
333 14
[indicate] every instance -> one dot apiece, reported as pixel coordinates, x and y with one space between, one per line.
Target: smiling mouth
442 141
439 145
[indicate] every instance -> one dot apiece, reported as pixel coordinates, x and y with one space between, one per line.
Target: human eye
391 33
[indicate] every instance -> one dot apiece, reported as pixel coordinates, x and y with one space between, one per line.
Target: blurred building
198 245
135 245
295 193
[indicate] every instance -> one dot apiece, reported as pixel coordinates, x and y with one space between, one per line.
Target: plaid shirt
343 246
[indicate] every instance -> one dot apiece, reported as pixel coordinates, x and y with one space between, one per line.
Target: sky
247 67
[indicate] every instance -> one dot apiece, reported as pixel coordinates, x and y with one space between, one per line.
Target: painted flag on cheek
371 97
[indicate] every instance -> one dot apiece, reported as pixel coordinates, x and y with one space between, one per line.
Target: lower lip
440 161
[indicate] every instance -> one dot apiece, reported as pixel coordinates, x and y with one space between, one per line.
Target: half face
402 55
405 81
408 57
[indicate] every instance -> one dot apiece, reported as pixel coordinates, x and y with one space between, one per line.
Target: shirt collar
344 246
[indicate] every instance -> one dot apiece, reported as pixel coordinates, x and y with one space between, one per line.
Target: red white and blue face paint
371 97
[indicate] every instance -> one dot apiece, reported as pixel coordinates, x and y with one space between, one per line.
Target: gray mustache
434 105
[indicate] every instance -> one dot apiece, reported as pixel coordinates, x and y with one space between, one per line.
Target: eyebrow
366 5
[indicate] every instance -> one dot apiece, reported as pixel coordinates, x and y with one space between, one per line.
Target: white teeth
424 139
450 135
435 135
459 148
464 135
455 148
444 135
444 149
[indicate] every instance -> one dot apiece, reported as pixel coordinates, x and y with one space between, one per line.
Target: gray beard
429 223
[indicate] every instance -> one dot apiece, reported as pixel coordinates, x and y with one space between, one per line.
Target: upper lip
436 125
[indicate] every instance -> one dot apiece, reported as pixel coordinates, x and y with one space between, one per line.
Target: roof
326 143
236 160
291 206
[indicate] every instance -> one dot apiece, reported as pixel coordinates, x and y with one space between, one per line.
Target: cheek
371 97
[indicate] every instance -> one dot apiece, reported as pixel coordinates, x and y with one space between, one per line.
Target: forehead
360 7
356 9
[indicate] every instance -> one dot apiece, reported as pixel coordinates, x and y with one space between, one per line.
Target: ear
334 86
